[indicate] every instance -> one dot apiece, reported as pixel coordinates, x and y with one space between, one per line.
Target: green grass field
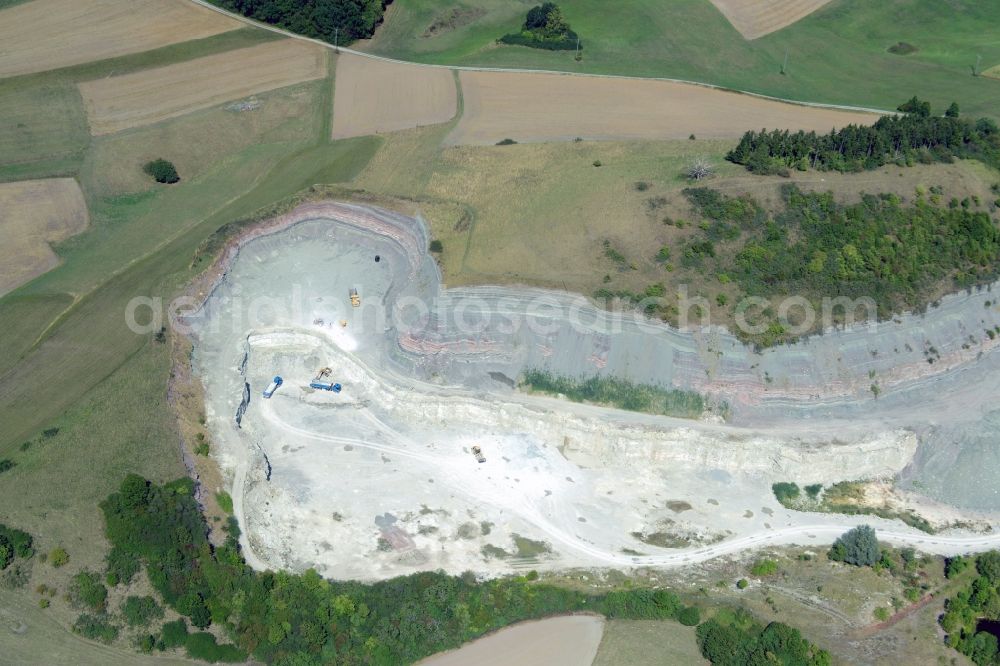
647 643
837 55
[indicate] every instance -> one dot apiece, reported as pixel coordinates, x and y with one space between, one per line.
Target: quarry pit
380 479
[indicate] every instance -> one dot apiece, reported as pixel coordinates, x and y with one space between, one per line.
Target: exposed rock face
312 470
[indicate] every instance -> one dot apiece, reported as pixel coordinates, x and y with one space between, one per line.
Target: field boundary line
516 70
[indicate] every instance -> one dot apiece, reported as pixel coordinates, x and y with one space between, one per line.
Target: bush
988 565
140 611
162 171
902 48
202 646
858 546
96 628
58 557
506 142
122 567
6 465
436 246
882 614
764 568
224 500
689 616
742 583
955 565
146 643
87 590
786 492
19 542
174 634
813 490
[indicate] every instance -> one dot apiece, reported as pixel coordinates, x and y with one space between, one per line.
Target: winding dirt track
526 509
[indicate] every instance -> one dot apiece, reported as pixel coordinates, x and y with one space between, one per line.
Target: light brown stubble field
34 213
142 98
530 107
48 34
376 96
756 18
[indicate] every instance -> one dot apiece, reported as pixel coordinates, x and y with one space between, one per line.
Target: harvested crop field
133 100
34 213
557 107
756 18
49 34
379 96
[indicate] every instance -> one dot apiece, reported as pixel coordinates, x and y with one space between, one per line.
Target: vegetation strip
618 393
304 619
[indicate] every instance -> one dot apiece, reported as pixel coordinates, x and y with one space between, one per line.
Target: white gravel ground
379 480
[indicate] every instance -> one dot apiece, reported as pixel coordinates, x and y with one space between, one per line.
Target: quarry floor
379 480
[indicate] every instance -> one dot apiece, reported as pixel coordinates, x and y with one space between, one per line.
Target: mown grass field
837 55
647 643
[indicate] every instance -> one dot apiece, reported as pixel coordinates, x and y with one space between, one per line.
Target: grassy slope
837 55
58 354
67 360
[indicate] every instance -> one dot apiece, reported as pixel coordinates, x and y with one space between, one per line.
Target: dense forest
877 248
333 21
286 618
972 616
901 139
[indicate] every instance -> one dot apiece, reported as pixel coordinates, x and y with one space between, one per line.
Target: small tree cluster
162 171
858 546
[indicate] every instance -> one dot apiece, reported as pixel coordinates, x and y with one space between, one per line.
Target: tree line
915 135
333 21
287 618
